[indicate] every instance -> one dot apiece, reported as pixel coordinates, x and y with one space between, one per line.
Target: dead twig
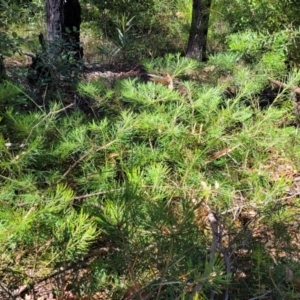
86 154
167 80
96 194
295 89
261 296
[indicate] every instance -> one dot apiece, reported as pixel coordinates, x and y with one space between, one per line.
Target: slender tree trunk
63 22
2 69
199 27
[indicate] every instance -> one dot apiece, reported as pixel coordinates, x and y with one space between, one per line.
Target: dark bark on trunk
2 69
199 28
63 16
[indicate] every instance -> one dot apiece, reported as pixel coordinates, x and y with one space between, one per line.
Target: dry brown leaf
221 153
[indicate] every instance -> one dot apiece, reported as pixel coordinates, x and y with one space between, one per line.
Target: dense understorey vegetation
176 181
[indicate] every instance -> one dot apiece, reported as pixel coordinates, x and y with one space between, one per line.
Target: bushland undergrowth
185 191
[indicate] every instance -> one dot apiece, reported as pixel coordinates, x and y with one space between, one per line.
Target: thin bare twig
261 296
96 194
295 89
217 244
4 288
49 114
84 156
288 197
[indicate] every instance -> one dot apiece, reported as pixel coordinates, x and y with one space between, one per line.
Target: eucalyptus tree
199 28
63 18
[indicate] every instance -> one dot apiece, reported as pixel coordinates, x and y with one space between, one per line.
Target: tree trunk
199 27
2 69
63 22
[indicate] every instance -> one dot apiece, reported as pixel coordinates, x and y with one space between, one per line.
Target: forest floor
277 167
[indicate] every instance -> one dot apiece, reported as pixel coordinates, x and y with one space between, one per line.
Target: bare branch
295 89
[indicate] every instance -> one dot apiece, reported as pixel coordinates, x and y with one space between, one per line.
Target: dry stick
296 92
217 231
261 296
214 223
288 197
97 194
5 289
215 228
70 267
216 237
48 115
44 97
284 85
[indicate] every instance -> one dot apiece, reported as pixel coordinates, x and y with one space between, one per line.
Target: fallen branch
167 80
96 194
295 89
262 296
217 229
